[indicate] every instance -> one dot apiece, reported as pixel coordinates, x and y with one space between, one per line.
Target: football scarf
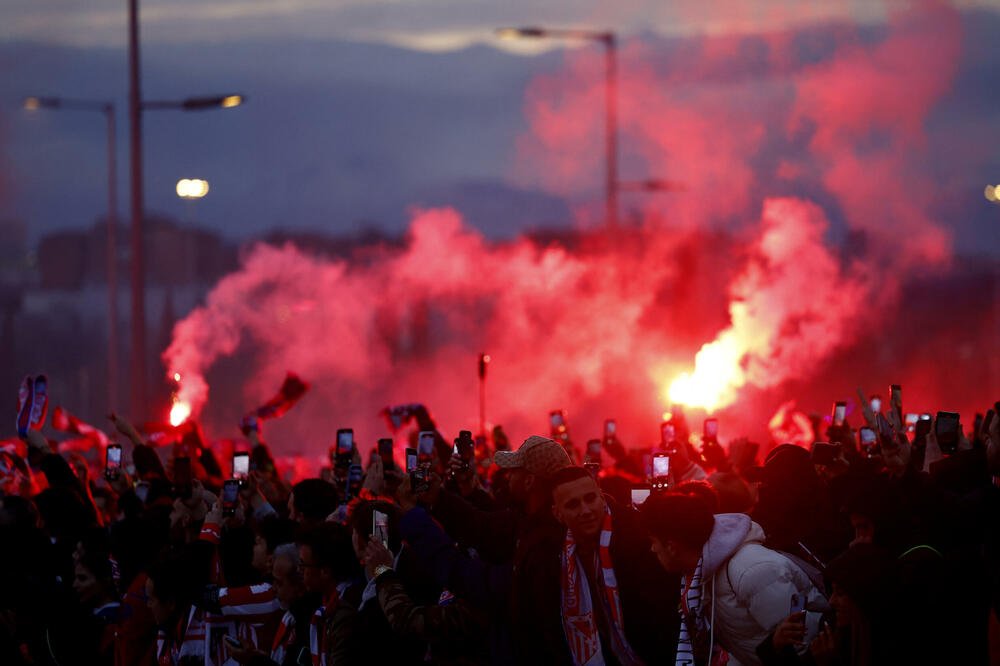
577 606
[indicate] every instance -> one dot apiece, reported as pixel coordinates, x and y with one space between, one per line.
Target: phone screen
113 460
557 419
798 604
661 465
241 465
425 444
609 428
640 494
711 428
868 435
464 446
876 405
380 528
230 493
411 460
142 490
839 413
594 447
345 442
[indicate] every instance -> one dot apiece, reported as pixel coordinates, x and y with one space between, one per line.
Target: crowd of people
878 545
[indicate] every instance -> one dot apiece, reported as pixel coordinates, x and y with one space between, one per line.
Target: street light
192 188
108 109
610 43
137 265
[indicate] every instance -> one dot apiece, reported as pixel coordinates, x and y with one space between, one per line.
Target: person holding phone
735 590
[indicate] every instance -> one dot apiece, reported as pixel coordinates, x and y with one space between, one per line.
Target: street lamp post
108 109
610 43
136 106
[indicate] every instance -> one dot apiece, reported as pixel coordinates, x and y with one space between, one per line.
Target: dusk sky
359 110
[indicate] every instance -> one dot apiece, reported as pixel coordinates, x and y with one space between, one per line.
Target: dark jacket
649 596
484 586
491 533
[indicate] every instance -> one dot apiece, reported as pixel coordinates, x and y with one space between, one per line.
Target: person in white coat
734 591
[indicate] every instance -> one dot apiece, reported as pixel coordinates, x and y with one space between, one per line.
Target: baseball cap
539 455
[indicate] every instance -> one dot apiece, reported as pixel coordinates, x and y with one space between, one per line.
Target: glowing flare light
717 374
179 413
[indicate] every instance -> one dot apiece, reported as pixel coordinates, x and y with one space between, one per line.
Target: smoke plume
807 207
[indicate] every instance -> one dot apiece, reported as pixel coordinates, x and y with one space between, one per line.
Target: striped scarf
577 606
695 634
317 629
284 637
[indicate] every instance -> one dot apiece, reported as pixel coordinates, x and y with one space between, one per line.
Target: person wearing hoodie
734 591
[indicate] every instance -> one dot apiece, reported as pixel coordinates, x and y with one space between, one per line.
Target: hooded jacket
747 588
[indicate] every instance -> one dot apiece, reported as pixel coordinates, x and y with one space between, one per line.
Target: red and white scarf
283 638
577 606
317 627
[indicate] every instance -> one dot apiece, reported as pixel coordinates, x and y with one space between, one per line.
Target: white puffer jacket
748 588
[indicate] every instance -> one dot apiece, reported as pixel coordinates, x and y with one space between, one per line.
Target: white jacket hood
731 531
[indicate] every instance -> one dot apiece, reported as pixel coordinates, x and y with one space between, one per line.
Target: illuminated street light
993 193
192 188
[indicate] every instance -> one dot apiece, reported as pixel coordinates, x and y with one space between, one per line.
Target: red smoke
604 331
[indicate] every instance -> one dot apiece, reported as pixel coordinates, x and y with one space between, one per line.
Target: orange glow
231 101
179 413
992 193
717 373
32 104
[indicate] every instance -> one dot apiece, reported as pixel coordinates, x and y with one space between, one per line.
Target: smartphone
946 429
640 493
380 528
354 474
711 429
385 452
345 443
661 471
230 496
142 491
839 412
182 476
869 441
610 428
241 465
876 404
798 604
112 461
420 480
594 469
667 434
825 453
425 445
594 448
411 460
466 446
920 432
911 422
557 419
